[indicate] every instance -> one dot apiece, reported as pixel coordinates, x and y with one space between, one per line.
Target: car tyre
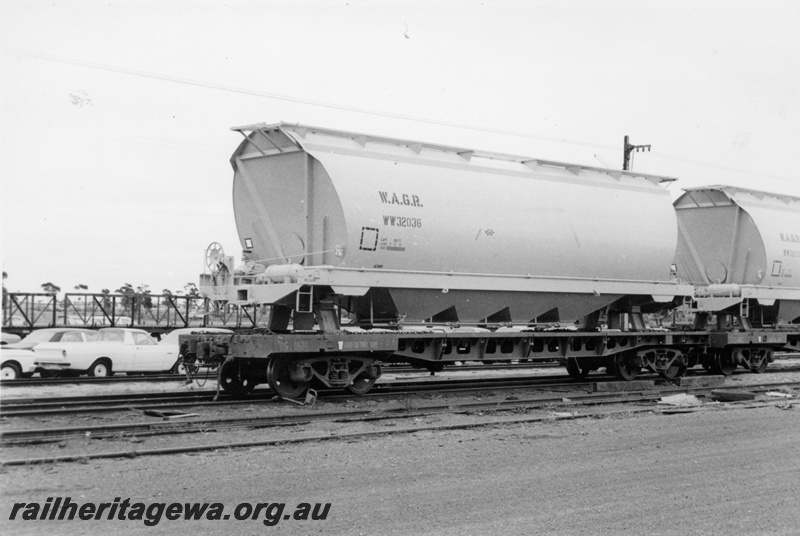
101 368
10 371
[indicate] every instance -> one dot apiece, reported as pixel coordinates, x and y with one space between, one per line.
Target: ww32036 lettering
401 221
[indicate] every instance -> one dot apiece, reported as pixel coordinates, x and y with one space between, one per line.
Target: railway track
35 407
35 381
95 404
157 378
163 427
394 369
514 406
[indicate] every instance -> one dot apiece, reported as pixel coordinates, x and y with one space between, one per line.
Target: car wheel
10 371
101 368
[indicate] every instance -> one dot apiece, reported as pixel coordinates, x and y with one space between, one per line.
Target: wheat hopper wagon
741 248
401 232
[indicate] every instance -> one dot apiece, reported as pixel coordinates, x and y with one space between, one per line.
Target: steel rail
105 403
163 427
463 408
389 367
115 403
72 405
147 378
154 378
388 370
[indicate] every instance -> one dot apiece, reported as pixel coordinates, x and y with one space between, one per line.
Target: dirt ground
721 469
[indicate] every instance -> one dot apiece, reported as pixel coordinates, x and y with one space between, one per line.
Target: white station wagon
20 361
115 350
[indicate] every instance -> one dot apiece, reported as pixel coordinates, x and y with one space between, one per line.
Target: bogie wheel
101 368
626 367
762 365
233 382
574 369
361 385
675 370
724 363
10 371
279 376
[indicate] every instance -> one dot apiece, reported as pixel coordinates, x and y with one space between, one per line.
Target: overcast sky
116 115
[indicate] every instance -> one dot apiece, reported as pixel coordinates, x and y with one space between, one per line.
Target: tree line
128 291
189 289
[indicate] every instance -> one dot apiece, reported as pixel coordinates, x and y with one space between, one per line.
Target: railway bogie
290 376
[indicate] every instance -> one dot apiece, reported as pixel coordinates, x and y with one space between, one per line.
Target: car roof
198 329
132 330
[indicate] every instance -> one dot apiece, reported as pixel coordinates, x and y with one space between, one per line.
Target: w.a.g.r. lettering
790 237
393 198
